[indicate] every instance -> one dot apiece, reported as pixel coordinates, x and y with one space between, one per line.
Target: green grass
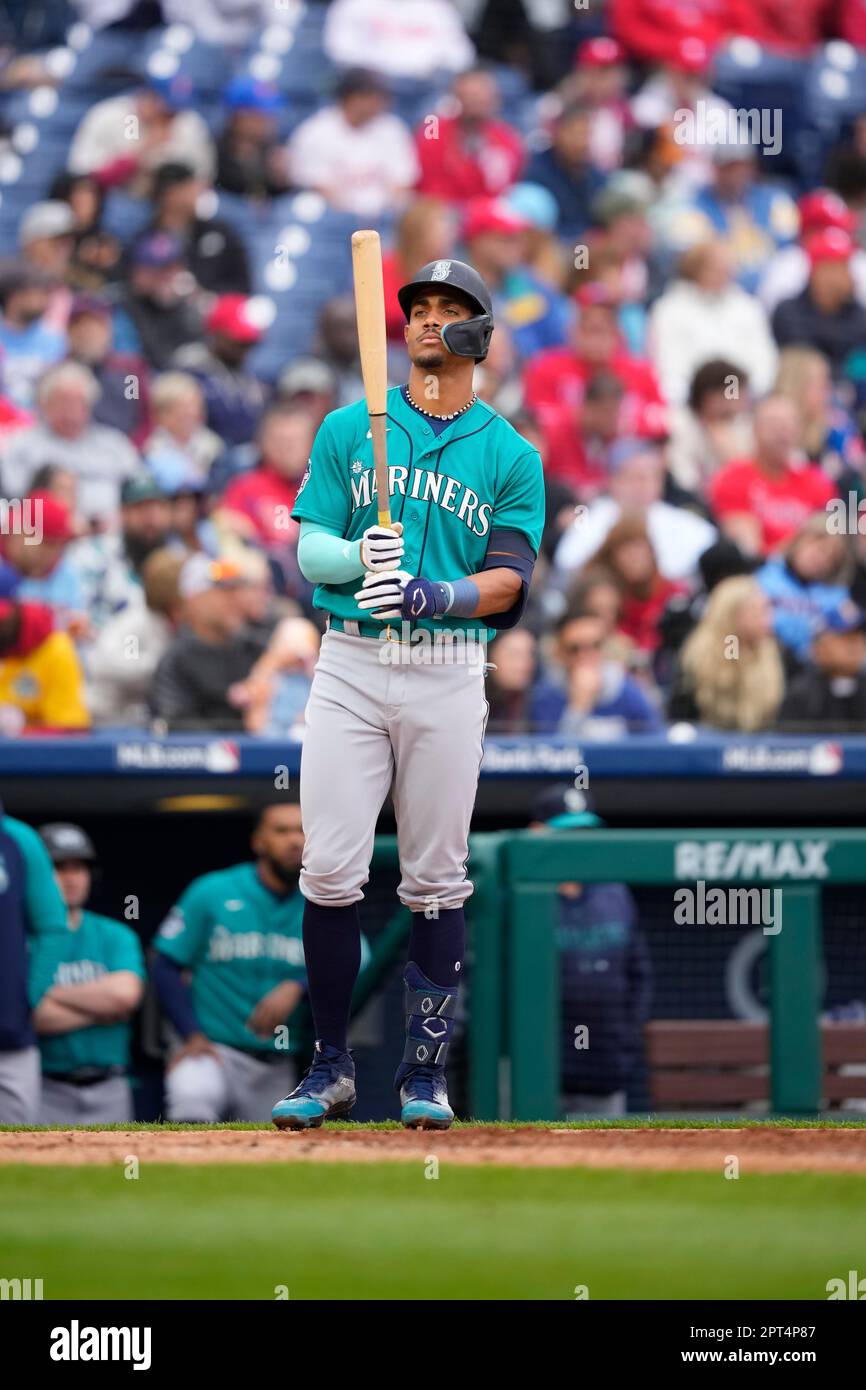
384 1231
630 1122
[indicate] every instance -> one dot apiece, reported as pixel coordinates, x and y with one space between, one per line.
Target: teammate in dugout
229 971
85 983
467 495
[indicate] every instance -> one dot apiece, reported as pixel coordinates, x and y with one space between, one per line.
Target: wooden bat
370 308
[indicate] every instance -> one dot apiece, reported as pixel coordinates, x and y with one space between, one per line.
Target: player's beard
287 874
429 358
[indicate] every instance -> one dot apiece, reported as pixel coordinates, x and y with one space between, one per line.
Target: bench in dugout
699 1064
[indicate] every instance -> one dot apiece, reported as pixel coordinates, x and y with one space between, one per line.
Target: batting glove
382 594
424 598
382 547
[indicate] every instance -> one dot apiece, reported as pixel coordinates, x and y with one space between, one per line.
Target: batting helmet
65 841
470 337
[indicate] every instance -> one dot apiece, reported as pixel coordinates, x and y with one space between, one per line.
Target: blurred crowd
680 330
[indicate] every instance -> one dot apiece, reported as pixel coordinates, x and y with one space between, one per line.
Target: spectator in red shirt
579 443
649 29
627 555
259 502
471 153
762 501
426 232
555 381
792 28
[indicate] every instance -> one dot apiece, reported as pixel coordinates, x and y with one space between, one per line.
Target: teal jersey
449 490
238 940
44 909
98 946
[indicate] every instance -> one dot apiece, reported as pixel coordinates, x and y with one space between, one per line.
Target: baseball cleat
424 1098
327 1092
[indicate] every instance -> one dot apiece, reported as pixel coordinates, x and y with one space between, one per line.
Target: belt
377 631
85 1076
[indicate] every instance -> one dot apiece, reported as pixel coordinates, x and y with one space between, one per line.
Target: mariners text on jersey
427 486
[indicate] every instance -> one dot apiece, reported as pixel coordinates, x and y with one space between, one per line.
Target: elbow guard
511 550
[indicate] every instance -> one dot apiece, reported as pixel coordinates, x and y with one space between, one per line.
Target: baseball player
229 971
397 701
85 983
30 907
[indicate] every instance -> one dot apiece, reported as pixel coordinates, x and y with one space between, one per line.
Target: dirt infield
759 1150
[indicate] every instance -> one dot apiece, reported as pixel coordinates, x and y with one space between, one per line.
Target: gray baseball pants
107 1102
20 1086
391 716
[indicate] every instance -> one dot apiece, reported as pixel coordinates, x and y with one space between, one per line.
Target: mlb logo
441 270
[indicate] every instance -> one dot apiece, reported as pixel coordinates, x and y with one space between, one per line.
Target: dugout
740 1022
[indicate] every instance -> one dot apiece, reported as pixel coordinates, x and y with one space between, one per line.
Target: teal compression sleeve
326 557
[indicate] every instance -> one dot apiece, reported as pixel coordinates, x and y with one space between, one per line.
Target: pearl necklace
429 413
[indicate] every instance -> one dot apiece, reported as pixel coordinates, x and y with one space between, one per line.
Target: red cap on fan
55 524
690 55
602 52
823 208
231 316
492 215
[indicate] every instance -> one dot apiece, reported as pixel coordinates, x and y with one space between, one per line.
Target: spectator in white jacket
123 139
637 471
713 427
100 458
704 315
400 38
121 663
356 153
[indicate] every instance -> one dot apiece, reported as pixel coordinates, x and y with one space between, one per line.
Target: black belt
85 1076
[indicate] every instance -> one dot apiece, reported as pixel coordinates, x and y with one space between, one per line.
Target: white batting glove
382 547
382 594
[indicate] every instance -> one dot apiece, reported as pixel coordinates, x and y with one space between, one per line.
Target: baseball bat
370 309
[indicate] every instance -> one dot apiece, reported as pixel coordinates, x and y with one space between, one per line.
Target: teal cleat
327 1092
424 1098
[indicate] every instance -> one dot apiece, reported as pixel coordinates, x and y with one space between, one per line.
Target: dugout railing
798 862
514 1018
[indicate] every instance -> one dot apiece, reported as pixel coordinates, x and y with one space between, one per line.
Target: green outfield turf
363 1231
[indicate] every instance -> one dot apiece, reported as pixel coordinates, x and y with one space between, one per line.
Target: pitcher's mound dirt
767 1150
